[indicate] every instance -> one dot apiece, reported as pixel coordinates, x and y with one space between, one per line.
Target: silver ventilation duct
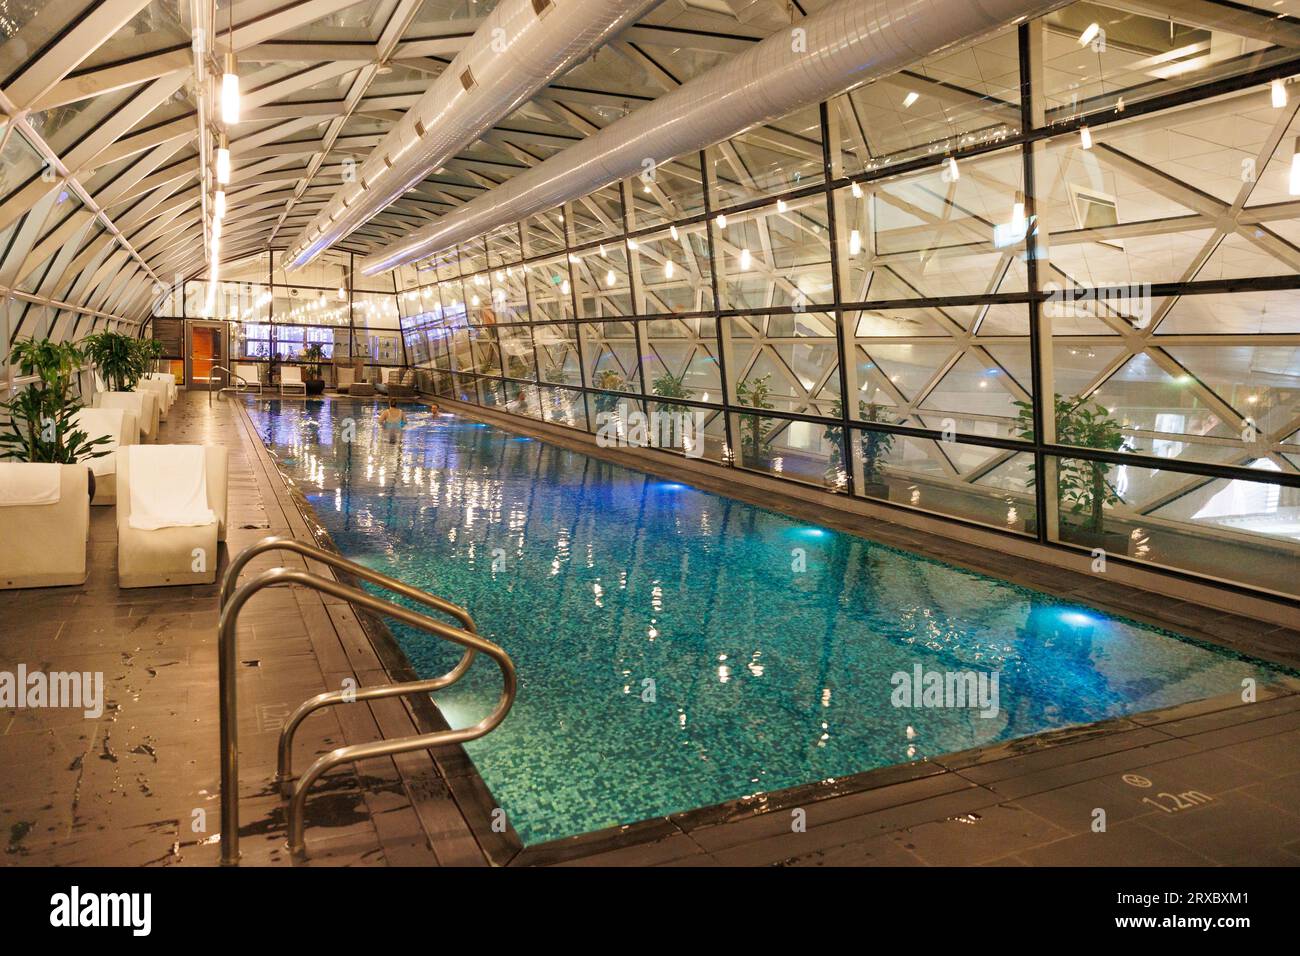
843 46
520 47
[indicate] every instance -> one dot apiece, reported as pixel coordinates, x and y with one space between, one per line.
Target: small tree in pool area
312 358
754 443
40 426
875 445
610 380
121 359
669 385
1082 486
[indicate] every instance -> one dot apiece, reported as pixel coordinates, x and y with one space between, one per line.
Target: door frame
223 342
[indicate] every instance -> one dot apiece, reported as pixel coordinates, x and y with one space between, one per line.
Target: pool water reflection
677 648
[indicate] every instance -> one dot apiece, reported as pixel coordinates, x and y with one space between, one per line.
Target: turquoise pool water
676 648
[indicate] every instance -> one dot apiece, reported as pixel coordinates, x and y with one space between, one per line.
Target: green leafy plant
557 374
1082 487
151 350
516 367
610 380
875 445
312 357
40 426
755 440
669 385
120 359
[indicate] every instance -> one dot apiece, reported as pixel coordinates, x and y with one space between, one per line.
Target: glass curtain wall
1047 284
278 316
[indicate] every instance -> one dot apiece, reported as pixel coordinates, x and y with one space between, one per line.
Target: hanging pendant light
223 161
230 92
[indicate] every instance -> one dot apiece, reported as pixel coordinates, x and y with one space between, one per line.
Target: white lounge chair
169 379
171 514
291 378
44 524
120 427
248 377
144 403
158 389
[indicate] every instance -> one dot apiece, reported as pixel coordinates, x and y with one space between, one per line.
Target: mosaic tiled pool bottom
676 648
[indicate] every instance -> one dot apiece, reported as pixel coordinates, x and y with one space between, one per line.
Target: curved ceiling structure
108 119
106 106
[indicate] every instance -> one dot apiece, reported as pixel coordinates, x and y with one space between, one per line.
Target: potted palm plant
312 358
151 350
610 380
119 358
755 430
874 445
669 385
40 426
1083 488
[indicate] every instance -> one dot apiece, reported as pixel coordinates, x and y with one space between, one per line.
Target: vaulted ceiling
100 182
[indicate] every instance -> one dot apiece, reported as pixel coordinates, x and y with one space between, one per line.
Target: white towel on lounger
169 486
29 483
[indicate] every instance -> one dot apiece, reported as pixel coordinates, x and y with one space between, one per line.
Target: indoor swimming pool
676 648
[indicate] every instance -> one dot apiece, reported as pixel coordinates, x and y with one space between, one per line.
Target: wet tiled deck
140 785
1212 782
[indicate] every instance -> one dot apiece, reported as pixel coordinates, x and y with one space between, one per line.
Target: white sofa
43 542
143 403
121 428
186 554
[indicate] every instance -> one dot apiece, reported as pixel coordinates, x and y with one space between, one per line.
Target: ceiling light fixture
230 92
910 98
223 162
1278 90
1085 137
1089 34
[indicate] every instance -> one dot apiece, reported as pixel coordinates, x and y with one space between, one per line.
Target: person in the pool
392 417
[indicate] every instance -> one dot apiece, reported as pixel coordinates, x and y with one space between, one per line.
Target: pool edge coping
466 787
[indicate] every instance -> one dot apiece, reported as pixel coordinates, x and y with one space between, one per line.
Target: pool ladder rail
244 385
232 601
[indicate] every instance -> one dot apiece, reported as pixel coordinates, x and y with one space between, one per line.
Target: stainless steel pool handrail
228 659
283 543
222 368
280 542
